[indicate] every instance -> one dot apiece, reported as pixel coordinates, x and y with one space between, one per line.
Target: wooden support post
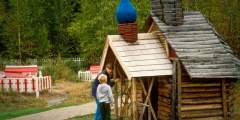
179 89
149 108
115 89
167 48
224 100
134 108
173 90
147 99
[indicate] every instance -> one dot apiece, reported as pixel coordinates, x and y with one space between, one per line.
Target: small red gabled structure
21 71
94 70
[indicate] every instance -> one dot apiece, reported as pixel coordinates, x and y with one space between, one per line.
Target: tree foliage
225 16
72 28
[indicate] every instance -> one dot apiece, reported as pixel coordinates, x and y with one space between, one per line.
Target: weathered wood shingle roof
144 58
203 53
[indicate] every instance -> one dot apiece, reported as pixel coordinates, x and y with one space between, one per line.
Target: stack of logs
195 99
170 11
211 98
164 99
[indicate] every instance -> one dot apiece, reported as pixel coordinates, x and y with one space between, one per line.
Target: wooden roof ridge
144 58
200 47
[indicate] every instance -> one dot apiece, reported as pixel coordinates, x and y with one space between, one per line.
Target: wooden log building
180 69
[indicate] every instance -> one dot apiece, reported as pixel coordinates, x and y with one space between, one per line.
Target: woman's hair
109 66
102 78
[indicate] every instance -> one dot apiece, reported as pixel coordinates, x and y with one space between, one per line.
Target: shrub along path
62 113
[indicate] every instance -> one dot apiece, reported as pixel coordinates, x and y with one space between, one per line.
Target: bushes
60 71
236 104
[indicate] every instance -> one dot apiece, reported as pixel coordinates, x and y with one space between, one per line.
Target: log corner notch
134 99
176 90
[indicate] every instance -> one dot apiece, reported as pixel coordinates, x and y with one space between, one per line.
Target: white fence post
85 75
36 87
28 85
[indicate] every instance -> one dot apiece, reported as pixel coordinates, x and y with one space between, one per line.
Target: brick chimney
126 17
169 11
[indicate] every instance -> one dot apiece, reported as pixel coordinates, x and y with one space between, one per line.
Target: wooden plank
174 36
152 73
194 16
138 47
200 95
202 114
210 66
141 36
179 89
147 62
224 103
164 108
164 115
115 89
194 46
185 21
200 107
143 57
164 100
215 74
134 109
201 89
139 42
213 70
197 27
185 84
150 67
201 51
184 26
105 51
193 38
204 62
190 33
203 42
190 13
208 118
173 90
141 52
199 101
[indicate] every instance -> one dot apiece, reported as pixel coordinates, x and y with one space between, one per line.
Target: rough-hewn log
201 107
201 89
202 113
200 95
189 84
211 66
202 101
208 118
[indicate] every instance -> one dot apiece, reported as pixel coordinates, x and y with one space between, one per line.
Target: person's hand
115 80
111 106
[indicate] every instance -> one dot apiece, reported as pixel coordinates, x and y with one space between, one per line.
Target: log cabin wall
164 99
139 95
209 99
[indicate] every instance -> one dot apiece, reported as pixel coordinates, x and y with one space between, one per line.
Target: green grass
16 113
86 117
14 105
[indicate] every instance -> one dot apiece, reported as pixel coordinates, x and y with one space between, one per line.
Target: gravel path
61 113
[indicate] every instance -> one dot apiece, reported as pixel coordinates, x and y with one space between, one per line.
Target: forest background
48 28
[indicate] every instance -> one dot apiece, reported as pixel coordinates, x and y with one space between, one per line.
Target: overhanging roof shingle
203 53
144 58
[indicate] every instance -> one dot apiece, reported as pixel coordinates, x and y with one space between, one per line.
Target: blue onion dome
126 13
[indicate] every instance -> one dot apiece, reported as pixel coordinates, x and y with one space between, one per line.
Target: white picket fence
86 75
26 85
